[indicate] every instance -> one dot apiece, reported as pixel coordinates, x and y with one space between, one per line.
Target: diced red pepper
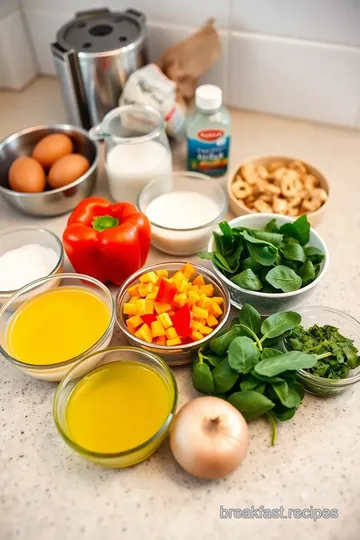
166 292
148 319
182 321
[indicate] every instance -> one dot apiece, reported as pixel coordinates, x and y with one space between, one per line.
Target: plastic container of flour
184 208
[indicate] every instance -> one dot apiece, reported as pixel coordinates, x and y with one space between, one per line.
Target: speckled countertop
49 493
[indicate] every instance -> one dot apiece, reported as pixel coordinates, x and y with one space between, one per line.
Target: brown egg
67 169
52 148
27 175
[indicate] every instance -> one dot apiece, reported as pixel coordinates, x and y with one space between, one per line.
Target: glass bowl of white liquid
184 209
136 147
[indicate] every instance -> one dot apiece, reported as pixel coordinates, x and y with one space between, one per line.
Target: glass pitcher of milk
136 149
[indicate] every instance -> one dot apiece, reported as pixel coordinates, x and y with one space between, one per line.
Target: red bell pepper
182 321
166 292
148 319
107 241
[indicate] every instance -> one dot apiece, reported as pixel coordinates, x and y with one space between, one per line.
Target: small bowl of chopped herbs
334 338
270 261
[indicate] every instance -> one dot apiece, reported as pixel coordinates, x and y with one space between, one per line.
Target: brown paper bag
186 61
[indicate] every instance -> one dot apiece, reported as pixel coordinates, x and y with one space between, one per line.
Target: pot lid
101 31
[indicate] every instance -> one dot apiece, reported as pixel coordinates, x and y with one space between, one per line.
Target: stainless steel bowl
57 201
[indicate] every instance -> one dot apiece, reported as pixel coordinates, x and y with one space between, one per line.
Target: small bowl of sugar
184 209
28 254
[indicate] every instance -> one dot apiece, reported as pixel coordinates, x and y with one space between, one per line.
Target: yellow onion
209 437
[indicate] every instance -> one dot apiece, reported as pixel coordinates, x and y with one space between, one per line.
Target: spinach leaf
220 344
202 378
294 252
278 323
307 272
249 382
251 404
283 278
272 227
247 280
250 317
228 236
282 413
299 229
249 262
268 352
264 255
233 259
272 238
243 354
224 377
293 361
280 390
252 239
223 262
209 357
213 257
315 255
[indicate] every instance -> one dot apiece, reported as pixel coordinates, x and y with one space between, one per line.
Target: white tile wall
295 78
63 6
8 6
17 65
335 21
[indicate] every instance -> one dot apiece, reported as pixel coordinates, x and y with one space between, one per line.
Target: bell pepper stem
102 223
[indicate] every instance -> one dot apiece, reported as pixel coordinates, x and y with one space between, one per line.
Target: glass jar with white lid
136 149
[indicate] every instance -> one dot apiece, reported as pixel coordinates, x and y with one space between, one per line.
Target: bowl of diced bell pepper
172 309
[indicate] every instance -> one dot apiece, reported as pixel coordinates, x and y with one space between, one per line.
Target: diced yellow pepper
201 321
182 286
171 333
200 313
133 290
149 277
196 335
145 288
134 321
157 329
193 297
162 307
204 302
165 320
180 300
144 307
212 321
151 296
199 280
205 330
188 270
196 325
215 310
134 299
161 340
144 333
179 276
129 309
174 341
217 299
195 288
207 289
162 273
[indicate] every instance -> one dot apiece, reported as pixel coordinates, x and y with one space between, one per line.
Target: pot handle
97 133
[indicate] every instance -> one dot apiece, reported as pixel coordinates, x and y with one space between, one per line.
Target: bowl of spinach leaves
334 338
270 261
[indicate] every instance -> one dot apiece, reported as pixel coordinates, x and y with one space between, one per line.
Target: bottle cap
208 97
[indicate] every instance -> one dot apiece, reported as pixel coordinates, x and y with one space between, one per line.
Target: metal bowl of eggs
280 185
48 170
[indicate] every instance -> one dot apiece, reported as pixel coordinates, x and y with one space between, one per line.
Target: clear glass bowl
175 355
54 371
88 364
187 241
16 238
348 327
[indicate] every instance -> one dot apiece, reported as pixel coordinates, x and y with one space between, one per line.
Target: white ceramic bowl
268 303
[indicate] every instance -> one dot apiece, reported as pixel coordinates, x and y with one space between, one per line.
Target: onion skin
209 437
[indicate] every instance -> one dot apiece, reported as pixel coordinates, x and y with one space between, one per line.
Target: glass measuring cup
136 149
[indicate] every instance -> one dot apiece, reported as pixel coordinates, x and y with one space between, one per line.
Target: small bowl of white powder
184 208
27 254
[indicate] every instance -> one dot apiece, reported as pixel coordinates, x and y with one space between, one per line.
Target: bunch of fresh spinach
269 260
336 354
245 366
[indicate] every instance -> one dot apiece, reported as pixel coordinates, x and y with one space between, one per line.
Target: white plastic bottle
208 131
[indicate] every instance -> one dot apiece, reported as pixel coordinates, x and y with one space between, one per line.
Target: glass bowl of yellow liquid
57 321
115 407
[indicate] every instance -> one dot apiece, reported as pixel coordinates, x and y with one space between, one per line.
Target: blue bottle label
209 152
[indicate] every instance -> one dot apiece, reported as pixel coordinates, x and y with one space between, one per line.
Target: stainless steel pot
94 54
57 201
